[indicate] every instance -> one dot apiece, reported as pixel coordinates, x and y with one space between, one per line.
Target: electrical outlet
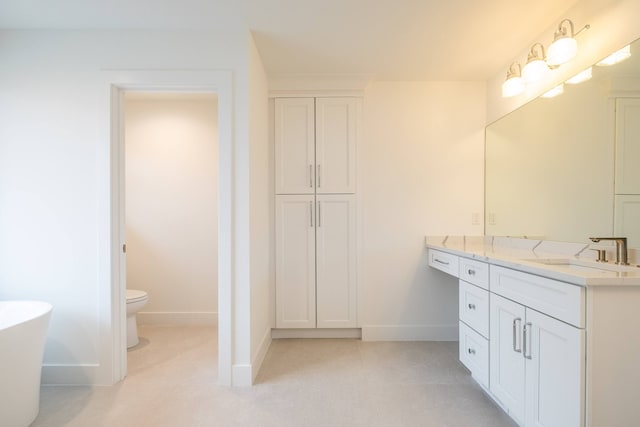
475 218
491 218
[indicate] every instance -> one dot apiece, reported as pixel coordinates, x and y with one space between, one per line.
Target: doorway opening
217 83
171 161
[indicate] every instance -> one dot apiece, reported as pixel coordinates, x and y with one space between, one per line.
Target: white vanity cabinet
537 361
536 365
473 312
563 343
444 261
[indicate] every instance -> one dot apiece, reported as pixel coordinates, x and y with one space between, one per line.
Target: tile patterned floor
172 382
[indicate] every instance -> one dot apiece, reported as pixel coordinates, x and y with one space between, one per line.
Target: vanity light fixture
558 90
565 46
536 68
616 57
582 76
513 85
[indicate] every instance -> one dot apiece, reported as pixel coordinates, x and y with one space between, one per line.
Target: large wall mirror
568 167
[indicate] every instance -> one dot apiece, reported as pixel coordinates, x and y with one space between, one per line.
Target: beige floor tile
326 382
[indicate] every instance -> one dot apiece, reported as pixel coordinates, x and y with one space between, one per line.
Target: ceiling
384 39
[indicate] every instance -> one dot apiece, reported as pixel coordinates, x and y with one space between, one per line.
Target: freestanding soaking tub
23 328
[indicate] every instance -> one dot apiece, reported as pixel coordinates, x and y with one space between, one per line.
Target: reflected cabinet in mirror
568 167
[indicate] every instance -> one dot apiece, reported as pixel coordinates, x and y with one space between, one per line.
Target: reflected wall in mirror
568 167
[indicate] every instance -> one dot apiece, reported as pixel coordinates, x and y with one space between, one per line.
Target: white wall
262 239
614 23
421 173
171 205
55 174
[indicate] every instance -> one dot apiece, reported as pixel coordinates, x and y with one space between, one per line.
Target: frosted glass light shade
616 57
512 87
582 76
534 71
561 51
558 90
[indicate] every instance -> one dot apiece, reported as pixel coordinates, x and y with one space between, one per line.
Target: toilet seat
134 295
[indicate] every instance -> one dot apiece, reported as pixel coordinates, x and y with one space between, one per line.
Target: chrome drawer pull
310 176
471 272
472 306
516 328
471 351
441 262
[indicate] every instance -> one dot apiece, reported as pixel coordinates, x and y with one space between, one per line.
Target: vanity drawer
561 300
475 272
474 307
474 353
444 262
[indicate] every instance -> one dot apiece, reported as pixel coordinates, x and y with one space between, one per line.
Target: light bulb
561 51
512 86
534 71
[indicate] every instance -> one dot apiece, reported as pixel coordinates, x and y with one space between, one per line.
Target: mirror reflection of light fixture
513 85
582 76
616 57
558 90
565 46
536 68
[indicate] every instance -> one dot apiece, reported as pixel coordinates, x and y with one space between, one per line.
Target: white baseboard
241 376
177 318
410 333
256 363
316 333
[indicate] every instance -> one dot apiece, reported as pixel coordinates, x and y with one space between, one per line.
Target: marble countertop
568 262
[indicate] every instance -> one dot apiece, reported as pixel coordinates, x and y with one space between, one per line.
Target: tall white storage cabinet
627 182
316 232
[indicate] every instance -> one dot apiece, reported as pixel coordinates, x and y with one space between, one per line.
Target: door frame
219 82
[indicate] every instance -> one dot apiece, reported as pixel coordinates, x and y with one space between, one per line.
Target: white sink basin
584 266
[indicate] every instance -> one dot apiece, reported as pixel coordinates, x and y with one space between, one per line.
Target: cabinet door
337 121
336 261
627 146
294 145
626 214
295 262
507 366
554 372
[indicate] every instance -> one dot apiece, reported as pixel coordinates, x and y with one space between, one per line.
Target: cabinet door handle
471 351
471 306
471 272
319 180
440 262
319 214
310 176
526 333
311 214
516 329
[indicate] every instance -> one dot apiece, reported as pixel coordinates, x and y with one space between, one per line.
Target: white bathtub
23 328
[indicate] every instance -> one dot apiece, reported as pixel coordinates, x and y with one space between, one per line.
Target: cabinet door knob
472 306
471 272
471 351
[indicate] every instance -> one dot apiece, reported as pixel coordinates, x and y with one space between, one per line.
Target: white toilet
135 301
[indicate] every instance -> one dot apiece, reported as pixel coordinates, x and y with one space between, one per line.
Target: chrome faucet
621 248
